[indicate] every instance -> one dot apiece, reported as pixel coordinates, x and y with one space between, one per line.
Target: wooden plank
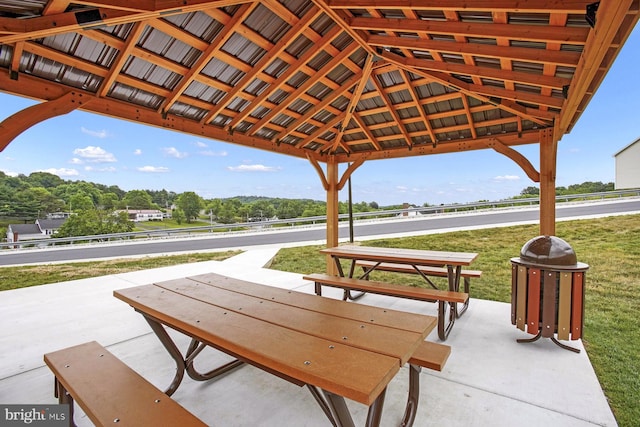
401 255
390 289
564 306
406 268
337 367
577 309
521 302
431 355
377 315
108 390
380 339
533 301
549 303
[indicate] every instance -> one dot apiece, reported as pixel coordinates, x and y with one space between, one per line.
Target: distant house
139 215
49 227
41 229
627 172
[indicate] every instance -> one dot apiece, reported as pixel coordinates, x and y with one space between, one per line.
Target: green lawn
611 247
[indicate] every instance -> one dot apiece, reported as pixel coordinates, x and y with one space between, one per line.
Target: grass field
611 247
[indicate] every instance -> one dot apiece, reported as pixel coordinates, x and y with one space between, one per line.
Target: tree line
27 198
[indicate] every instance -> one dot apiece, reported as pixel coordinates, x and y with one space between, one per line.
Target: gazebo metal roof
333 81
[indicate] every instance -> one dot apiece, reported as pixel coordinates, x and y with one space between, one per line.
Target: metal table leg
185 364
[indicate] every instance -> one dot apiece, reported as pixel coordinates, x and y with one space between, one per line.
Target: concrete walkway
489 380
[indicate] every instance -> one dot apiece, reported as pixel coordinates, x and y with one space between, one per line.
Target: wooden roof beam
17 123
535 6
419 107
615 21
121 59
207 54
312 80
355 98
542 56
534 33
50 25
284 77
275 52
529 137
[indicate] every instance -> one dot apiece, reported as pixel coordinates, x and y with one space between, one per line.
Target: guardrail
199 230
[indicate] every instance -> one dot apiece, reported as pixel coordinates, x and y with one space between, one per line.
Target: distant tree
91 222
45 201
261 209
374 205
530 191
45 180
214 206
178 215
80 202
191 204
289 209
109 201
137 199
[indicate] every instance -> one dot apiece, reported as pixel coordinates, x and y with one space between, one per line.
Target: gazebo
333 81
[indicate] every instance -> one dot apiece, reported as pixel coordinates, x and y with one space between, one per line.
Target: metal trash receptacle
547 297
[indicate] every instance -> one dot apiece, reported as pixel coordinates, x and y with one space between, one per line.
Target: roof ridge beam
536 6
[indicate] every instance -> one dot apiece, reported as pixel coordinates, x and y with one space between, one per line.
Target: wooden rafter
353 102
532 6
207 54
499 29
123 56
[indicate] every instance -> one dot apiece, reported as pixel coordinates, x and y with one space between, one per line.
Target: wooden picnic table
337 349
416 258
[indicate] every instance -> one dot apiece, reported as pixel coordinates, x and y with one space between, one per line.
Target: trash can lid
548 250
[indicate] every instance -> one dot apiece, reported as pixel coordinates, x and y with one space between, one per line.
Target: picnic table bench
423 262
425 271
336 349
110 392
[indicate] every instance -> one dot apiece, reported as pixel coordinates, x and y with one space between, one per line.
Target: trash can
547 295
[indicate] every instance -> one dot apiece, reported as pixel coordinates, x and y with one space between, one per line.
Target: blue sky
83 146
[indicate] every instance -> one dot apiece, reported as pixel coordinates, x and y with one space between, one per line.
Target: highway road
362 231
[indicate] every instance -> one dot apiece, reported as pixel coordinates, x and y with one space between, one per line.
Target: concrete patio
489 379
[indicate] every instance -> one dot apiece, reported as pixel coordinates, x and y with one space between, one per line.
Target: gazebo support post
548 154
332 210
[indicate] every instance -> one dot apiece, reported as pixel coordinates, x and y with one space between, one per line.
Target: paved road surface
362 231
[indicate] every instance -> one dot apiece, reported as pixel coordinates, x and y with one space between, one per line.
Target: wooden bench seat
466 275
110 392
394 290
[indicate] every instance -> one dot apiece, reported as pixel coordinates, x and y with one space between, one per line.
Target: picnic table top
352 350
401 255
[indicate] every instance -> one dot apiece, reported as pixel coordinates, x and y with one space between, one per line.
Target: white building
139 215
628 166
41 229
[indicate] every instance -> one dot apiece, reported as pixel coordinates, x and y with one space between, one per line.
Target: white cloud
137 152
211 153
76 161
173 152
97 133
95 154
153 169
61 172
507 178
252 168
200 144
401 188
10 173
